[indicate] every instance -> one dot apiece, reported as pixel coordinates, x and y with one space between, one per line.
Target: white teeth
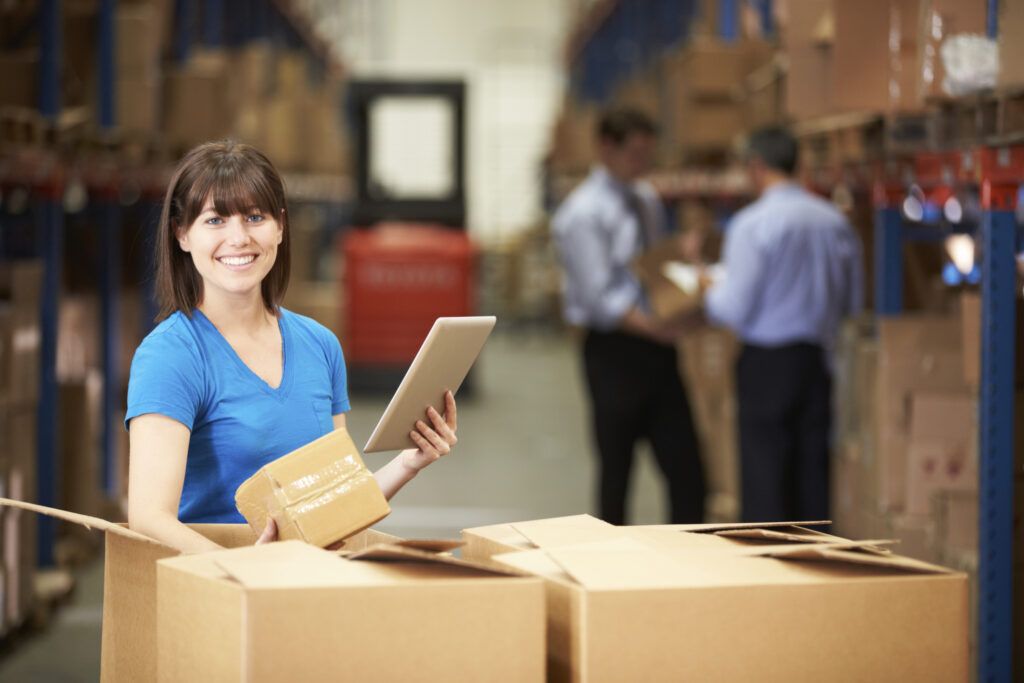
237 260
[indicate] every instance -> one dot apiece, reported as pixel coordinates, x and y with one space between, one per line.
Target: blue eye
255 218
216 220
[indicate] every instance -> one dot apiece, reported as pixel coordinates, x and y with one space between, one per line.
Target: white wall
509 52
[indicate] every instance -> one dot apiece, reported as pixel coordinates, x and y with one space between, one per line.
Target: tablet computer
442 363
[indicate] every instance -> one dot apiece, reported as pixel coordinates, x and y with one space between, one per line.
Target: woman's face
232 253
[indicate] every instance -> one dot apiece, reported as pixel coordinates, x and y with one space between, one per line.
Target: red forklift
407 259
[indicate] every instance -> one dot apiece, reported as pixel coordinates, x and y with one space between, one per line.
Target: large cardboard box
289 611
673 603
1011 48
915 353
320 493
129 640
886 50
21 284
138 105
943 447
79 403
137 30
807 41
18 87
204 80
19 529
700 125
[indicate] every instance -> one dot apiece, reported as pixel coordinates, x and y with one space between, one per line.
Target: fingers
269 534
441 446
441 427
450 412
428 451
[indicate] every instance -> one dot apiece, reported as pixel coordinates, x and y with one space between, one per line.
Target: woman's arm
435 440
158 451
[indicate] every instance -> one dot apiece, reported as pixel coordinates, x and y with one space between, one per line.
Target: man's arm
733 301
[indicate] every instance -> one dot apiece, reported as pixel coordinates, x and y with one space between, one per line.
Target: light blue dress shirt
597 235
793 271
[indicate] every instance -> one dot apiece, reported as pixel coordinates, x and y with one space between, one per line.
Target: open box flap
403 553
716 528
796 535
622 563
286 564
431 545
559 531
81 520
851 553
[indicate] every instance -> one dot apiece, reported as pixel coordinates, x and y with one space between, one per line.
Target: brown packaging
291 612
320 493
671 603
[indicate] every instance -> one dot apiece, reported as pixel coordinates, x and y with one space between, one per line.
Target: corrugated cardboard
807 43
1011 48
669 604
320 493
289 611
129 651
915 353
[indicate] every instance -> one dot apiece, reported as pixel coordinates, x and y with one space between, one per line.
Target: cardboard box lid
559 531
298 565
632 564
82 520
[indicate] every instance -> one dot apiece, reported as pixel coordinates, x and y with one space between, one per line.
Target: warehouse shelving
45 172
998 172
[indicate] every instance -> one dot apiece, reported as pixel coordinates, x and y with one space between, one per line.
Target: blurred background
424 146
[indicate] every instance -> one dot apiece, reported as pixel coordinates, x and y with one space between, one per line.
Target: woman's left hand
434 440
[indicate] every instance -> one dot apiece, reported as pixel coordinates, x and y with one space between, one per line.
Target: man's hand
434 440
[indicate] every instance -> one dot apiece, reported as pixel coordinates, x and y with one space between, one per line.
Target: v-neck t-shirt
186 370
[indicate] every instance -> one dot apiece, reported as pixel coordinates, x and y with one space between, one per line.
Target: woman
229 380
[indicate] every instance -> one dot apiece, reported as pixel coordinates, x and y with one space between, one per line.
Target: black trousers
784 396
636 392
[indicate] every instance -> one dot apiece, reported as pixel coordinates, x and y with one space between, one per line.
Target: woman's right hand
269 534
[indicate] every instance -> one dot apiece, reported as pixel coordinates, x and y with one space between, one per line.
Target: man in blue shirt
792 273
629 356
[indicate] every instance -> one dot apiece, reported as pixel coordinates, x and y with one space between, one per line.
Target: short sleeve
166 378
339 377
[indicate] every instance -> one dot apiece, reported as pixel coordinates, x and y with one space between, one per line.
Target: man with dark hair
629 357
792 272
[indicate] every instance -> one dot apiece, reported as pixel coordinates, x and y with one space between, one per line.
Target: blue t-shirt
185 369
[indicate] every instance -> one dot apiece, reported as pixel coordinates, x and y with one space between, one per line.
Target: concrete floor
524 453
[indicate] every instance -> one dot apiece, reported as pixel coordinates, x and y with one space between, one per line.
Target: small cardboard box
291 612
667 299
320 493
672 603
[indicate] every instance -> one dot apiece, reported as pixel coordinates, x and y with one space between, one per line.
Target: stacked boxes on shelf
20 287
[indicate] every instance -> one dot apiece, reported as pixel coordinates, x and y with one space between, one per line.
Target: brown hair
237 178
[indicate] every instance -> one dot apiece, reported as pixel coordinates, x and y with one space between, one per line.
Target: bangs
235 189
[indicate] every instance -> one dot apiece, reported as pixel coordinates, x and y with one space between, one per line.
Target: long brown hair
237 178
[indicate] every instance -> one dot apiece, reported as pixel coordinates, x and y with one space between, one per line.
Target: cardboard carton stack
703 94
884 55
732 603
574 137
20 287
138 28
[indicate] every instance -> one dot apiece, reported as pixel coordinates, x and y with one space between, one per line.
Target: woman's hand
434 440
269 534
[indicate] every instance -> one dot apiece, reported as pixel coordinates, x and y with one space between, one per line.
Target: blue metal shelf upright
998 173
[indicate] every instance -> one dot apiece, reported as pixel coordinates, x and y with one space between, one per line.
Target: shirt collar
781 188
604 176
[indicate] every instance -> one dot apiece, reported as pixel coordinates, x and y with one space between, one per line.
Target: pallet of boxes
20 287
906 462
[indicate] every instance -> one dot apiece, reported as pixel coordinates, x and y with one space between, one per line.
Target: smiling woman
229 380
